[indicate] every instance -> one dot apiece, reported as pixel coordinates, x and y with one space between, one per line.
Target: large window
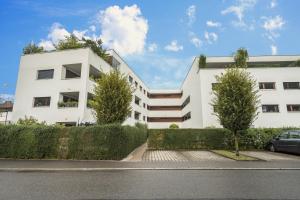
186 102
293 107
68 99
41 101
186 116
270 108
267 85
291 85
45 74
71 71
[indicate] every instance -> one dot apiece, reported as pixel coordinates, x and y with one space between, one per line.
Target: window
90 97
284 135
137 115
270 108
68 99
144 105
141 89
137 100
186 116
41 101
186 102
144 91
214 85
130 79
267 85
294 134
45 74
71 71
293 108
94 73
291 85
129 114
136 84
144 118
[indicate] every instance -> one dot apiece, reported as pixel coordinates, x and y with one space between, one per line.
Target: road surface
152 184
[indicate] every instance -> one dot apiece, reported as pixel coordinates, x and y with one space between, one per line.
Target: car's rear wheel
272 148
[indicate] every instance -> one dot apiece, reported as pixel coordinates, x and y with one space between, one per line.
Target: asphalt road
152 184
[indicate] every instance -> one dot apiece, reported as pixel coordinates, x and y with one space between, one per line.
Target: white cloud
273 49
152 47
57 33
210 37
46 44
7 97
173 46
191 13
272 25
124 30
92 28
239 11
196 41
213 24
80 34
273 3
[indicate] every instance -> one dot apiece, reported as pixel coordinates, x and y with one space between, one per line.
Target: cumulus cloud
210 37
46 44
152 47
196 41
174 46
191 13
7 97
92 28
272 25
213 24
239 11
273 49
123 29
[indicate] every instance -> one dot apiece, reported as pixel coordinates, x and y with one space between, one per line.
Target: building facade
55 87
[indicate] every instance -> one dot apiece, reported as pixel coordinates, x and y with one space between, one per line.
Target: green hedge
211 138
18 141
94 142
108 142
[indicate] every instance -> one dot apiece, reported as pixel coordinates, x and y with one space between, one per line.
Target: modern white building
55 87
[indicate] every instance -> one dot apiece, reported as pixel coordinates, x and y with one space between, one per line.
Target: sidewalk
72 165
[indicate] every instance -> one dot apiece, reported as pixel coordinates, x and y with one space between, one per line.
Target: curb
123 169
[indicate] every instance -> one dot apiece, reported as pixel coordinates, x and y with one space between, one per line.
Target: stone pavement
270 156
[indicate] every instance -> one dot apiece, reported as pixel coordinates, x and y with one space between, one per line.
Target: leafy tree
201 62
70 42
96 46
32 48
241 57
235 101
297 63
112 98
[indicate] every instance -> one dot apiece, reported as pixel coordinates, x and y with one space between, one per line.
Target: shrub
173 126
212 138
105 142
32 48
29 121
35 141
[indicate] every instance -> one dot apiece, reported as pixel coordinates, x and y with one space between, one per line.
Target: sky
158 39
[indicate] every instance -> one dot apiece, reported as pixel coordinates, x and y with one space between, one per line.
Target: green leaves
112 99
235 99
70 42
32 48
241 56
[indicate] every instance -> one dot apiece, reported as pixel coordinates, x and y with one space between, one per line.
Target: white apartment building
55 87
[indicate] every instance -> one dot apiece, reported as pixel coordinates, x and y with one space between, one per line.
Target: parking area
271 156
181 156
184 156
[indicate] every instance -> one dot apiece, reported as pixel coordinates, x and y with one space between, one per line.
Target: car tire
272 148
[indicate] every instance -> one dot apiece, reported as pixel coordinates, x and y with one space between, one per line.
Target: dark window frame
289 107
287 85
35 103
276 110
265 85
45 70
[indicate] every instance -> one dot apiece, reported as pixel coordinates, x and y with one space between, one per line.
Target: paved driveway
162 155
271 156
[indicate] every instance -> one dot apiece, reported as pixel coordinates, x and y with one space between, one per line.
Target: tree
29 121
241 57
112 98
202 62
70 42
96 46
32 48
235 101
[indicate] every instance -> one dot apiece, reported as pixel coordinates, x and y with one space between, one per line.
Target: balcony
68 99
71 71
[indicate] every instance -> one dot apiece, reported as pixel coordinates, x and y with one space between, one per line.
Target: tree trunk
236 142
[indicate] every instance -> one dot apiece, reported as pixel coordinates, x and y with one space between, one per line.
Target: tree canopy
241 57
32 48
112 98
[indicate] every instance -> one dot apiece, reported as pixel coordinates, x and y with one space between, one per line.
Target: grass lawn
231 155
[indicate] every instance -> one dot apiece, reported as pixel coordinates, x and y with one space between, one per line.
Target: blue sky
158 39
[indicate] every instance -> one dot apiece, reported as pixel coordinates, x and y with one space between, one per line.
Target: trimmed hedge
93 142
19 141
108 142
211 138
